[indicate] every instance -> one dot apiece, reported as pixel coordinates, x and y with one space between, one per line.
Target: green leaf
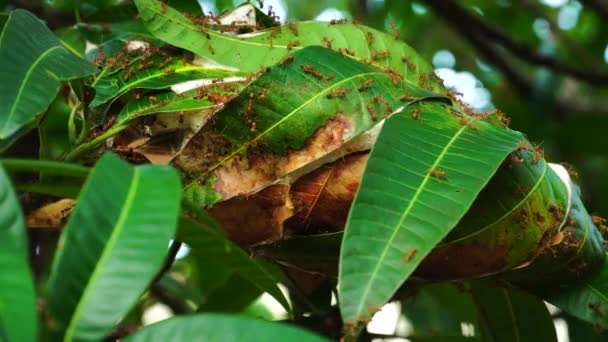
70 4
402 210
516 214
218 259
111 86
289 105
33 62
73 40
575 254
114 243
163 103
439 310
587 300
17 297
254 52
583 331
101 33
233 297
61 189
224 328
319 252
504 314
46 166
53 130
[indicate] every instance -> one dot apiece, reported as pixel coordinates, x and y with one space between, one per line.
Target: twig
157 290
171 255
176 306
473 25
522 84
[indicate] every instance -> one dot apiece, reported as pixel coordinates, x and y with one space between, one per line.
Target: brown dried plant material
322 198
53 215
240 176
257 218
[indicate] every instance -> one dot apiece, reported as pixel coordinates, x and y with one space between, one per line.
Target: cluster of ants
130 60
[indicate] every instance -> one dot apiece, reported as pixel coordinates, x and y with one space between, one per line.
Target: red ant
365 85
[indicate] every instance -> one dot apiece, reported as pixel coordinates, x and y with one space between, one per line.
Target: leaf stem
46 166
71 124
89 145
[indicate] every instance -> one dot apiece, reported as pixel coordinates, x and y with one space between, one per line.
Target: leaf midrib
116 232
512 315
22 85
405 214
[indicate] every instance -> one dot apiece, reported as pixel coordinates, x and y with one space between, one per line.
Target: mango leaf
219 327
439 310
101 33
296 113
73 40
218 259
17 298
33 62
587 300
513 218
234 296
113 245
583 331
70 4
164 103
504 314
319 252
571 273
254 52
159 76
422 176
53 130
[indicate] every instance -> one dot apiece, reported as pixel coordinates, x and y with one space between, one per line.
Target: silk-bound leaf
33 63
17 297
294 114
504 314
166 103
113 245
513 218
254 52
574 254
158 76
423 174
221 328
218 259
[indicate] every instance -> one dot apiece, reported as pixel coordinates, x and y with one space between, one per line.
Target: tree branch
489 53
173 250
472 24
